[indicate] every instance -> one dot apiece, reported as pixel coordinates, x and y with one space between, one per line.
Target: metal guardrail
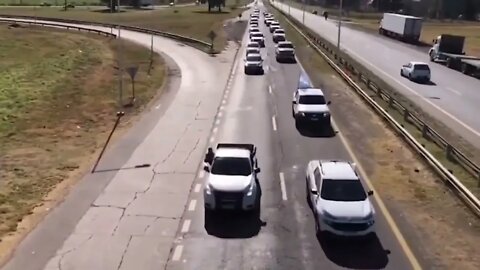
100 32
202 45
451 152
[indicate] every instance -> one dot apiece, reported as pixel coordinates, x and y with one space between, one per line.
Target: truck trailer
448 49
403 27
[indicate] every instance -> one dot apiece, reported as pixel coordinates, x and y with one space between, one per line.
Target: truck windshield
231 166
312 100
342 190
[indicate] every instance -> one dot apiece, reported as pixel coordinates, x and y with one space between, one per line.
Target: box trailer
448 49
403 27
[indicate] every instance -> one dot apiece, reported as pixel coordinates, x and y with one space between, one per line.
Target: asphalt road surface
125 218
256 109
128 219
452 98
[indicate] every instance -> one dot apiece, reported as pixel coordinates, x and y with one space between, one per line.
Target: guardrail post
448 151
425 131
406 114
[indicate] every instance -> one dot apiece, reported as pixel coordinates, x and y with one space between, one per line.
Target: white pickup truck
232 180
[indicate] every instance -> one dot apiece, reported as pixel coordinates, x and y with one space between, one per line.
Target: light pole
289 4
303 14
339 24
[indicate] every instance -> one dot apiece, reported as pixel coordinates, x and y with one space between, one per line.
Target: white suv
309 105
338 200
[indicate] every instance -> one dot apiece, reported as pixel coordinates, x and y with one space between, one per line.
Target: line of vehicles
284 49
334 191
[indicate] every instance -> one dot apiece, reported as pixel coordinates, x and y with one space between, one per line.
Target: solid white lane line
177 253
186 225
269 89
274 123
283 188
453 91
192 205
197 188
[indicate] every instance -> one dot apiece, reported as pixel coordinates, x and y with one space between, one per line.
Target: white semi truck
403 27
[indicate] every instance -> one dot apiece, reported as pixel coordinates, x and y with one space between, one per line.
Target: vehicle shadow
354 253
428 83
235 225
315 131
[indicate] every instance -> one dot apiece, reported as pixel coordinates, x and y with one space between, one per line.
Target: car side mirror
294 102
329 102
314 191
370 192
257 170
206 168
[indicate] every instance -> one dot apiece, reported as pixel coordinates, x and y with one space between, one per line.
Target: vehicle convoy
254 64
258 37
278 36
338 200
449 49
285 52
416 71
309 106
403 27
232 182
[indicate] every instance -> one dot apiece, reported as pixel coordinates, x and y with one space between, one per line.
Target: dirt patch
443 233
58 101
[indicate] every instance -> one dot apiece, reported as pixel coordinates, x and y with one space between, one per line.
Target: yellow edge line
388 217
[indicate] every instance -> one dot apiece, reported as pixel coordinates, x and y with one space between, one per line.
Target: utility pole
339 24
303 14
289 4
120 70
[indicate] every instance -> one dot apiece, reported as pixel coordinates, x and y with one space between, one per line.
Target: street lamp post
339 24
289 4
303 14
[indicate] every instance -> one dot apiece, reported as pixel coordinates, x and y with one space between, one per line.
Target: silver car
254 64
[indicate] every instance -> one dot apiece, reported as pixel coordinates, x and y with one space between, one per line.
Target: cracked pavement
132 220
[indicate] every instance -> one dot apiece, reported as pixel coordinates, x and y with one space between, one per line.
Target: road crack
125 252
63 254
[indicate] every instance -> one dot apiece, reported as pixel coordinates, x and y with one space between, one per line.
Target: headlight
250 190
326 114
208 189
302 114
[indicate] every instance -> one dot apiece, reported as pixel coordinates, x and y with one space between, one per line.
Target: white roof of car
253 43
310 92
338 170
254 55
232 152
284 42
418 63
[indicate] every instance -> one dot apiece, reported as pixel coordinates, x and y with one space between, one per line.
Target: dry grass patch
58 98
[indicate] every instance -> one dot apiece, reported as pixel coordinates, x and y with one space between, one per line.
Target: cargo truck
448 49
403 27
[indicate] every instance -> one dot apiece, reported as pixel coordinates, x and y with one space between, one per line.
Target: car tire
293 113
410 76
401 73
318 231
307 193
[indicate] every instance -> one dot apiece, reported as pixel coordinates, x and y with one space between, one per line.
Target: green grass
51 2
466 178
191 21
58 98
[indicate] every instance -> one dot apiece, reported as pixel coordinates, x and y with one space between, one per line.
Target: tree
216 3
471 10
114 5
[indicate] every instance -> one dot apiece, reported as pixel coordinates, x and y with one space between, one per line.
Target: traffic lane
450 83
239 241
299 147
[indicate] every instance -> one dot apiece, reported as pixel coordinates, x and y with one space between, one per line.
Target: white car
268 21
252 51
277 37
252 44
254 29
232 178
416 71
257 37
254 64
309 106
285 52
274 26
338 200
279 31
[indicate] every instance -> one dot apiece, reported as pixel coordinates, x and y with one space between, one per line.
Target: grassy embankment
191 21
58 98
369 21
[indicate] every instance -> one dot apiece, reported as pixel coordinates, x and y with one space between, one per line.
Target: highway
257 110
453 98
153 218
